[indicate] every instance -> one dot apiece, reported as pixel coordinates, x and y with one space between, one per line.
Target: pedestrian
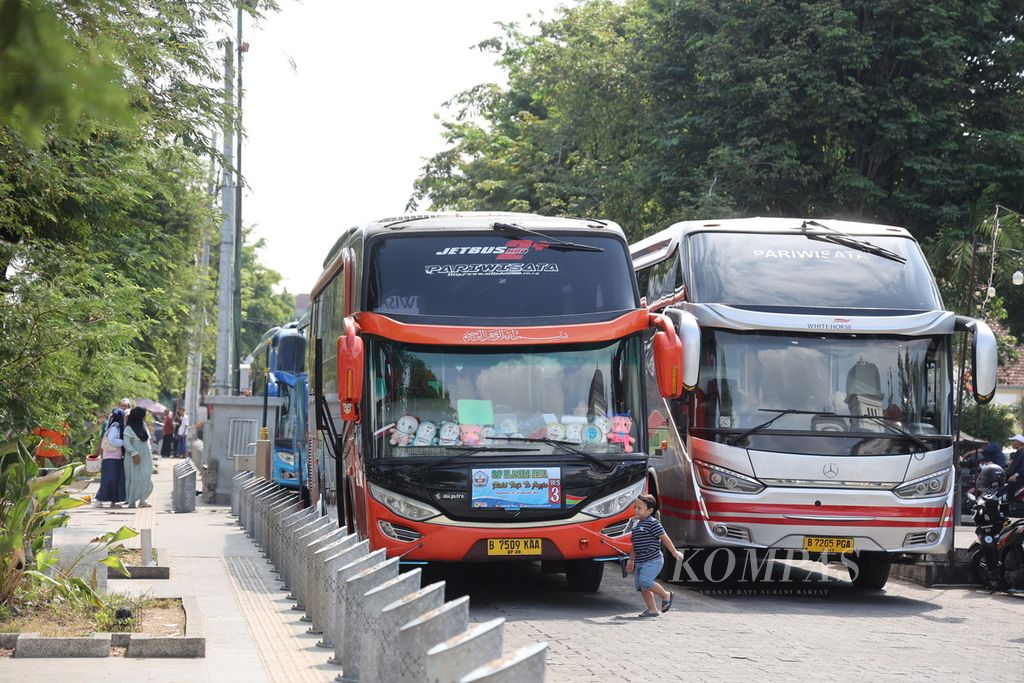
1015 471
112 469
183 434
168 437
645 558
138 463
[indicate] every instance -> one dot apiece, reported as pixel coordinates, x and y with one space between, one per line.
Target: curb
140 572
191 645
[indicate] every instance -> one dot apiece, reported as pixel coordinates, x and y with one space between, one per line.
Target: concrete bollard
146 539
311 592
291 562
317 609
382 656
264 502
288 527
236 488
426 631
274 505
525 664
457 656
274 530
245 490
356 589
256 486
320 528
368 628
332 564
342 576
183 493
281 509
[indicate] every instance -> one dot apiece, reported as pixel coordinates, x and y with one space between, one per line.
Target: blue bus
278 369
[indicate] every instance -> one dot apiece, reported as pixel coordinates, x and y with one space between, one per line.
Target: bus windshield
495 276
864 388
430 402
758 269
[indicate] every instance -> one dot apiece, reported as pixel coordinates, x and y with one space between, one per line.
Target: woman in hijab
112 468
138 464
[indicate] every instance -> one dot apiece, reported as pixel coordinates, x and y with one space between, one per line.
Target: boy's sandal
666 605
648 613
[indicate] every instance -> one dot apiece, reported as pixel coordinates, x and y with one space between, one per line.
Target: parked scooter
997 557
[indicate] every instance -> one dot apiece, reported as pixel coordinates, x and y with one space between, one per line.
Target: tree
883 110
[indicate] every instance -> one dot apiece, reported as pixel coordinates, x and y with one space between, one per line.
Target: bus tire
584 575
350 518
872 571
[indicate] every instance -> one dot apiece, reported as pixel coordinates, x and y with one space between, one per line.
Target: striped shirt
646 539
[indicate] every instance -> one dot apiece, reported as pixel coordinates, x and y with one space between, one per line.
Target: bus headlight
402 506
286 458
925 487
616 502
721 479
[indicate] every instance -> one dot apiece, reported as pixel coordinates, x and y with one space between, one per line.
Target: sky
339 112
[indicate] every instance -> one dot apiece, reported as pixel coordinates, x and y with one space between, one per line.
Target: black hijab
137 421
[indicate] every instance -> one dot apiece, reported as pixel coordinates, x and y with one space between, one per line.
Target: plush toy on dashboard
621 425
426 434
487 435
592 435
470 434
403 432
448 434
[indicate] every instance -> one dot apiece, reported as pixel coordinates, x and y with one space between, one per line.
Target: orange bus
478 383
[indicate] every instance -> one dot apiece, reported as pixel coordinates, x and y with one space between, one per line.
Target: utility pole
225 310
237 292
194 373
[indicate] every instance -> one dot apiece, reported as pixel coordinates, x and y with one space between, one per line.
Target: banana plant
30 506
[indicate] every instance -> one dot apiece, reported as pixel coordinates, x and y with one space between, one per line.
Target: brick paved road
818 628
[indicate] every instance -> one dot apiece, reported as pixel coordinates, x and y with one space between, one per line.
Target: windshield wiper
734 440
552 242
925 446
834 236
566 446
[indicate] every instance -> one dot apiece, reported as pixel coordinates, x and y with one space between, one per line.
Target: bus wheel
872 570
584 575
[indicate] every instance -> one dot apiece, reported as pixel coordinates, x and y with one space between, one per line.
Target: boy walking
645 559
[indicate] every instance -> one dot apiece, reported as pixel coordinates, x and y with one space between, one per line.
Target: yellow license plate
828 544
514 546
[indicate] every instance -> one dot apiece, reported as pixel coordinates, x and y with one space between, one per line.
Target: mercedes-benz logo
830 470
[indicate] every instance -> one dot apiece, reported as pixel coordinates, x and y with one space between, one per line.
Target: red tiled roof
1012 374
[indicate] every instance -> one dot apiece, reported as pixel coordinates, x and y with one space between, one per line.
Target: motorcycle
997 557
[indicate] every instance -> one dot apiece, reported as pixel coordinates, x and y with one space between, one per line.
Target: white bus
819 376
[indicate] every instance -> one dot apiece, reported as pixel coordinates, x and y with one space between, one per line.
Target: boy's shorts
644 573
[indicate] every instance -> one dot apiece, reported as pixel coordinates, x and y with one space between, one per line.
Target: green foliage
650 110
30 506
262 307
995 420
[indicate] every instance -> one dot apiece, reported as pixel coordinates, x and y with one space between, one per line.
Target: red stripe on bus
789 508
375 323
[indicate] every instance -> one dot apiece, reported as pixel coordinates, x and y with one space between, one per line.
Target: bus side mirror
668 357
984 357
350 370
689 335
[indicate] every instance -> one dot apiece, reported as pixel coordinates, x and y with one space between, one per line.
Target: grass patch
124 613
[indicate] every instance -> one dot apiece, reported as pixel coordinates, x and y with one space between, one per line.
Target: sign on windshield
792 270
495 276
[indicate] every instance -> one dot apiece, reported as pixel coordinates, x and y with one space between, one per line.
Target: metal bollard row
379 622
